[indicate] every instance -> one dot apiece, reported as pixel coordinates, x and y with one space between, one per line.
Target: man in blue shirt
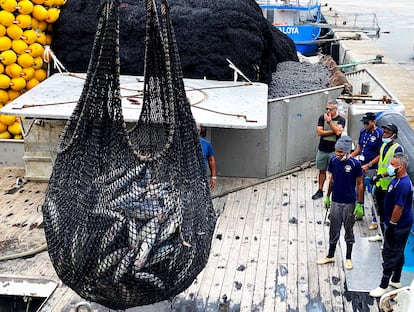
346 186
369 144
398 219
368 149
209 158
387 151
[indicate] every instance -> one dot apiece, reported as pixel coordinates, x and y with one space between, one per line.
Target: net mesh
128 213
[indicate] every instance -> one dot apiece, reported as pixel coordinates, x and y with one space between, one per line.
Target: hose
24 254
304 166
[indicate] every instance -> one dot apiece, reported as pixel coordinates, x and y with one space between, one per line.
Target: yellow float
25 30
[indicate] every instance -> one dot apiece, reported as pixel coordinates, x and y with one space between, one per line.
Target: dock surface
263 257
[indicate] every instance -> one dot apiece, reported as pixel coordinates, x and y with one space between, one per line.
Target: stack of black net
128 213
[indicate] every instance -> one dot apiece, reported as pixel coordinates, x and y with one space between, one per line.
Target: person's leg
380 196
379 203
388 264
385 280
401 238
369 174
349 221
322 160
335 218
321 179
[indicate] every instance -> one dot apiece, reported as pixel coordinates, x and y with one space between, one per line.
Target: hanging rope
128 214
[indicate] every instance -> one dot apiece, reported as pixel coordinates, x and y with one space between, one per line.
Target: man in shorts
330 127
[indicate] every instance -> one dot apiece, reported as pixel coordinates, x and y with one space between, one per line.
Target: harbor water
396 21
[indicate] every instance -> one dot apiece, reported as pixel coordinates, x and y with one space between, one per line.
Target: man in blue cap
367 150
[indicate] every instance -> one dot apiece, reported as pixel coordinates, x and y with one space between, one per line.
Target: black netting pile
207 32
128 214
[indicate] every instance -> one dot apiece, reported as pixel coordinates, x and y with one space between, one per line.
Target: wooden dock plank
259 291
223 280
271 267
255 221
302 245
282 255
273 196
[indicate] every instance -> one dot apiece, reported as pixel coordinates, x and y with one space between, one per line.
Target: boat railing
356 22
292 3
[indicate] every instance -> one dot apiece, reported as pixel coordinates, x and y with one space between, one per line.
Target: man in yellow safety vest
388 148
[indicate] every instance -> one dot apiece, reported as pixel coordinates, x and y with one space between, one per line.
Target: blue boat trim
289 7
291 21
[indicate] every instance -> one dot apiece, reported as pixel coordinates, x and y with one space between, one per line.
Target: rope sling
128 213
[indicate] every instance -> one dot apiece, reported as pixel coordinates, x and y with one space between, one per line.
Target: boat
298 19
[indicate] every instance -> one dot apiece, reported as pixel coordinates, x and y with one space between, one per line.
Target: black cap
368 117
392 128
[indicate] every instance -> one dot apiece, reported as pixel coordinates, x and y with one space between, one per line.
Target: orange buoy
14 32
37 63
25 7
19 46
13 70
27 73
34 24
3 127
52 15
41 25
41 37
48 3
60 2
4 97
17 84
29 36
25 60
5 135
8 57
5 43
2 30
23 20
6 18
39 12
48 39
8 5
32 83
36 49
4 81
13 94
40 74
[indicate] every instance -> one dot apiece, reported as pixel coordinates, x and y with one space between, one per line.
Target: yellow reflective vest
384 162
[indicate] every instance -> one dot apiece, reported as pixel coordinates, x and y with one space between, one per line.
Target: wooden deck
268 237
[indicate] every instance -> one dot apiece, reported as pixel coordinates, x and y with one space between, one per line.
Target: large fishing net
128 213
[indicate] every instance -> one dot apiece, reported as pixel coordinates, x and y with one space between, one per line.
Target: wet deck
263 255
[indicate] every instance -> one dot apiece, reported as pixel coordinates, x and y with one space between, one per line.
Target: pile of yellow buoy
25 30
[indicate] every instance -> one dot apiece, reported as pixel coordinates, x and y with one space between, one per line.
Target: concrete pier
362 51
